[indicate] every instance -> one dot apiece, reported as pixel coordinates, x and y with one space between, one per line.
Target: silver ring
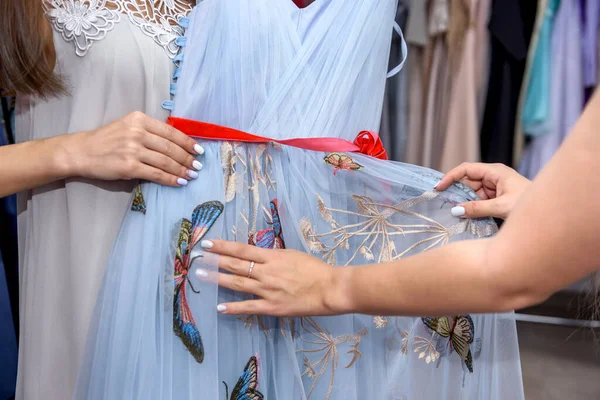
250 269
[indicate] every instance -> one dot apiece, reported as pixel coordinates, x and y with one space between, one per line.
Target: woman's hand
287 282
133 147
498 186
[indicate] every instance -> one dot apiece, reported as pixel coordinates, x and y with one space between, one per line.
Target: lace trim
84 22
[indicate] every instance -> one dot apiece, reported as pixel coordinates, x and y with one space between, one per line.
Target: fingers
152 174
237 250
240 284
238 266
172 151
472 171
166 164
173 135
480 209
248 307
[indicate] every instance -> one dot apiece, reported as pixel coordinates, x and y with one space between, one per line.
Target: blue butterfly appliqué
190 233
270 238
246 387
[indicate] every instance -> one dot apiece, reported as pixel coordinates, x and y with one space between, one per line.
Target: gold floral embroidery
328 348
228 161
380 322
250 320
400 338
310 371
288 324
404 339
376 231
426 349
285 325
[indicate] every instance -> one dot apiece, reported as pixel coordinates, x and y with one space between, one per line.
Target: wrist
341 300
66 157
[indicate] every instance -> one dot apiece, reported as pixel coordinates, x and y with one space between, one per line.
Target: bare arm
31 164
133 147
548 242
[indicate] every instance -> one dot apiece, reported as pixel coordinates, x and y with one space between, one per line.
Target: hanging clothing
536 109
8 342
482 54
114 63
416 38
567 83
317 77
511 26
394 118
461 142
8 221
8 309
437 86
591 24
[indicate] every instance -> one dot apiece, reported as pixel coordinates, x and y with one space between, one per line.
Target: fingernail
197 165
192 174
199 149
221 308
182 181
201 273
458 211
206 244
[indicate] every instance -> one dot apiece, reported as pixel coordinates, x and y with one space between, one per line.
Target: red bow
370 144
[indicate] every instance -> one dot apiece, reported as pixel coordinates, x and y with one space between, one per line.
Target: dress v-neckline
305 48
297 7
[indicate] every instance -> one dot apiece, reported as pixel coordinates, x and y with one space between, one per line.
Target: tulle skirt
346 209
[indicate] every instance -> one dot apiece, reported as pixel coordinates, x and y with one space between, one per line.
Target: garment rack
542 319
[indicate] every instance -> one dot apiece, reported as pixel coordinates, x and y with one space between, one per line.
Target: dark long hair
27 54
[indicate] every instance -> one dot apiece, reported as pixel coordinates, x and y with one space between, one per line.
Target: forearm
30 164
549 242
449 280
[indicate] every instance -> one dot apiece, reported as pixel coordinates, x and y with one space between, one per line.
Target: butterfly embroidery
190 233
459 330
342 161
270 238
246 387
138 204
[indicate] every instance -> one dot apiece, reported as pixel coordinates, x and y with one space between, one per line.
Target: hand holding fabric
498 186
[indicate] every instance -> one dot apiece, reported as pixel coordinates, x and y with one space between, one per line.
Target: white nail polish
206 244
199 149
201 273
182 181
221 308
192 174
197 165
458 211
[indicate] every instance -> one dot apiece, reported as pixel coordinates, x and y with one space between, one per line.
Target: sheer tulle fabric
264 67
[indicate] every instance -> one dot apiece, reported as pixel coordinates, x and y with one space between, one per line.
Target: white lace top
83 22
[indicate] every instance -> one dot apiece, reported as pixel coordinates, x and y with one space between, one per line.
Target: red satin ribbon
367 142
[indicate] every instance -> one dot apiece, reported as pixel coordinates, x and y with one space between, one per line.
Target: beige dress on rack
461 143
437 81
416 38
116 58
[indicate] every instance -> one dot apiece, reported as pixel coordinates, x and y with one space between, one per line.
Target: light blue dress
269 68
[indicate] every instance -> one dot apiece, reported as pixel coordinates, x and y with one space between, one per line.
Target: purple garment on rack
589 41
567 83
